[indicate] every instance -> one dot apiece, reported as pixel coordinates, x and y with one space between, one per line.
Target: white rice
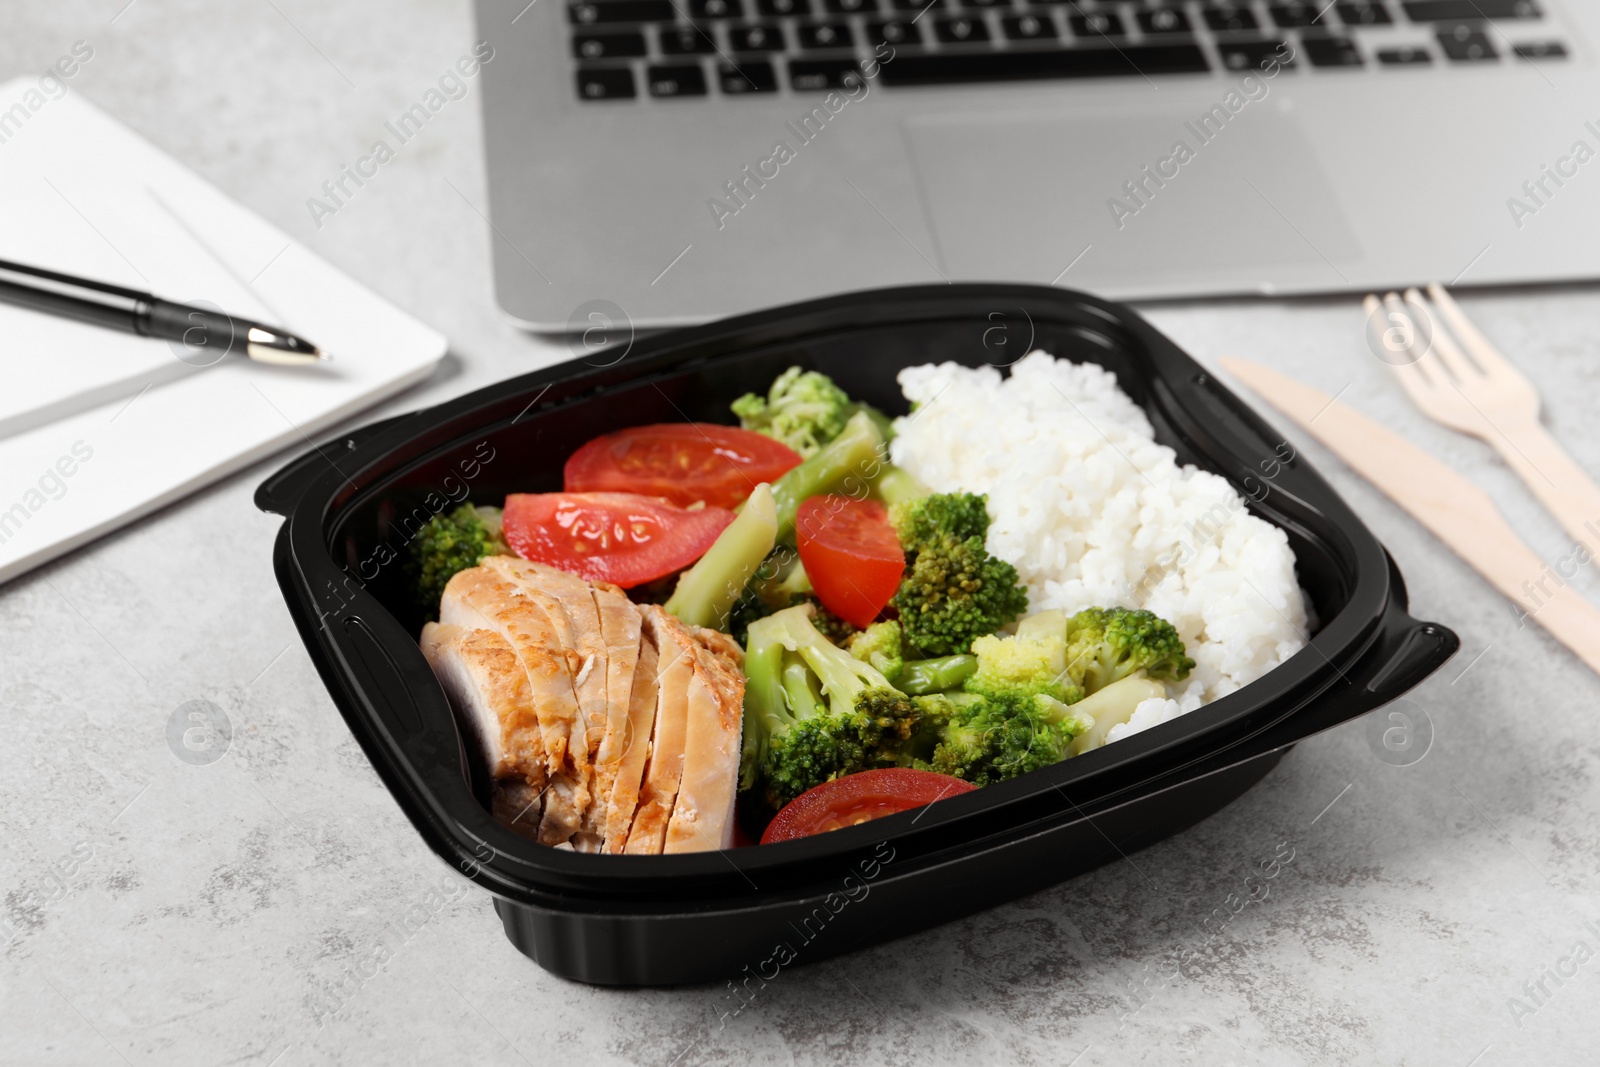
1094 513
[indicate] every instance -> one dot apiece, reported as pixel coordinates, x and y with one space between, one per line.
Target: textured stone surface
213 913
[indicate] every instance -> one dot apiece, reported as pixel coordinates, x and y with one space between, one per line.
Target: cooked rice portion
1093 512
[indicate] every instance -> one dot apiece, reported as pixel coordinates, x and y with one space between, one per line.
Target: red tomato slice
851 555
610 537
858 798
684 462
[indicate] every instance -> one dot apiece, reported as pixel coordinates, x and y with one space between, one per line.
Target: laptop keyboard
632 49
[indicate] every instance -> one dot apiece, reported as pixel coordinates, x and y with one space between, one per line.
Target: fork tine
1416 384
1489 358
1427 372
1449 353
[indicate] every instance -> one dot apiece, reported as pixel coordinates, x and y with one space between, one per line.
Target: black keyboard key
895 31
945 68
1455 10
808 74
1254 55
716 9
621 11
604 84
1332 52
784 7
756 39
985 3
1364 13
1164 20
826 35
961 31
1463 44
851 7
1288 16
1540 50
1028 28
1097 24
752 76
607 45
676 80
1406 56
1231 18
687 41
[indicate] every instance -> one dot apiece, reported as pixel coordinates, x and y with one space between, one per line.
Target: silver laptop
668 161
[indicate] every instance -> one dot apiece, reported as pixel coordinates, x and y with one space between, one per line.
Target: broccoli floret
953 590
803 409
1106 645
448 543
983 739
813 711
880 645
1022 666
940 516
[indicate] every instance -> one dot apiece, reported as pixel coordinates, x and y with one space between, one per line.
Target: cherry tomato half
851 555
610 537
684 462
858 798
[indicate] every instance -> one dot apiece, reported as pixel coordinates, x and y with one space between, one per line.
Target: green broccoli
707 592
449 543
1106 645
953 590
1022 667
846 464
922 676
985 739
803 409
813 711
1013 713
880 645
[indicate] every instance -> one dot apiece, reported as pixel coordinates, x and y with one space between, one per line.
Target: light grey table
274 906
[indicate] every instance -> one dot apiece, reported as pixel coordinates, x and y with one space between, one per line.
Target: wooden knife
1455 510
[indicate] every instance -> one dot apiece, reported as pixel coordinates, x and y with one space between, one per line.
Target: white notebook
98 428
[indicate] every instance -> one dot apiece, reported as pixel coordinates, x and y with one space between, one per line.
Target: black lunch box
743 914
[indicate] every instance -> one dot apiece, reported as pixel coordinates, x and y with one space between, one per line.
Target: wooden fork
1462 381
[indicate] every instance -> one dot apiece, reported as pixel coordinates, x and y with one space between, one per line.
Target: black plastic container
745 913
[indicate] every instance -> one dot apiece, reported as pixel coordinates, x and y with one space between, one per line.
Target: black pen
148 315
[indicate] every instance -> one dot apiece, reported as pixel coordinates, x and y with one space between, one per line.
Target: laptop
658 162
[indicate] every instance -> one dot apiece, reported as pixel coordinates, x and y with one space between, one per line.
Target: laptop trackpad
1150 198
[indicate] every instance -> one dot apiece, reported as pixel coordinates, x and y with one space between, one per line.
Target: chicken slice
479 599
488 688
663 770
570 597
622 625
633 745
702 815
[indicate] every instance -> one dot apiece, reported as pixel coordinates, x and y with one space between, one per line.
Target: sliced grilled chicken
702 815
479 599
488 687
676 649
622 625
566 594
633 745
